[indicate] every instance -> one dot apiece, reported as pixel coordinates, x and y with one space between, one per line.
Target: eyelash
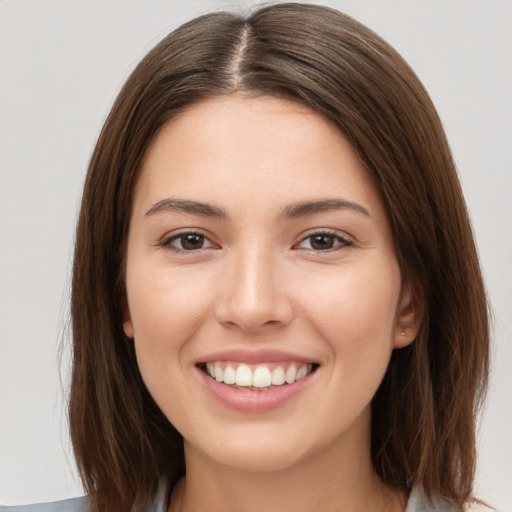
167 242
342 242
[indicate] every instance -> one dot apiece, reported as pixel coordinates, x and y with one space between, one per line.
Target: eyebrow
311 207
293 211
186 206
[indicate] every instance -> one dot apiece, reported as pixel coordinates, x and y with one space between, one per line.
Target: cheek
164 304
354 314
165 310
354 317
355 300
165 313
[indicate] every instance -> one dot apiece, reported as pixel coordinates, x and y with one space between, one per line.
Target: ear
409 314
127 321
128 328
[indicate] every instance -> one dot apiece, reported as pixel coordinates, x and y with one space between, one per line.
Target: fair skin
257 241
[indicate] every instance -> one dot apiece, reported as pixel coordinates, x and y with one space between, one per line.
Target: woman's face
264 294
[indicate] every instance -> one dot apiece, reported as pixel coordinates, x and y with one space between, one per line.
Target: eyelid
167 239
345 240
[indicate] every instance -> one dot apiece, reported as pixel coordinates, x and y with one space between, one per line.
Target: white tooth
229 375
262 377
291 373
219 374
210 369
277 376
310 368
302 372
243 376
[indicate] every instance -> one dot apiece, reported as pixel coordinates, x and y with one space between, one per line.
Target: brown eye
324 242
187 242
191 241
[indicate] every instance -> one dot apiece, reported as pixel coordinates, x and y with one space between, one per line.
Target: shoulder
71 505
420 502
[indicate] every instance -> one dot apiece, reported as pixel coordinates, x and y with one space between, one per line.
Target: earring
403 332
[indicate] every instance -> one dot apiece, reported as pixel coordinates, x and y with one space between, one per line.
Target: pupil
192 241
322 242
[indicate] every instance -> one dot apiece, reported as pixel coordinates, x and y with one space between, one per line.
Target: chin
257 460
259 448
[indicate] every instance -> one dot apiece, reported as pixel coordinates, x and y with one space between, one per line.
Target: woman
277 302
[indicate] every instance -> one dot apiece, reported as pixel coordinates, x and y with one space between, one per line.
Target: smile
258 387
261 377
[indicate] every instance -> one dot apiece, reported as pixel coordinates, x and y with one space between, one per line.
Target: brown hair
424 413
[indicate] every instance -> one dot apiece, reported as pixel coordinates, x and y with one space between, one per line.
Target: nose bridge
252 294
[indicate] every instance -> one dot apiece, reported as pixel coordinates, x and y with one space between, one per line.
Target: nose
252 294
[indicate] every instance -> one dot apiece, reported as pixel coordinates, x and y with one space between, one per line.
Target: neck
339 477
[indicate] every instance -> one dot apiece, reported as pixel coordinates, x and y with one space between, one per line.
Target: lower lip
245 400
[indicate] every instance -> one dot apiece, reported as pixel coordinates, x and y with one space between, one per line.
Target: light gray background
61 64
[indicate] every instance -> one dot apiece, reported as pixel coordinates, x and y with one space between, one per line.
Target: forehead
236 150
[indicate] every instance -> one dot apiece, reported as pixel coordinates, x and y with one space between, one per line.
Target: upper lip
254 356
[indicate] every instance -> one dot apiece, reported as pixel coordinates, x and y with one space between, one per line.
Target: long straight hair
424 413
